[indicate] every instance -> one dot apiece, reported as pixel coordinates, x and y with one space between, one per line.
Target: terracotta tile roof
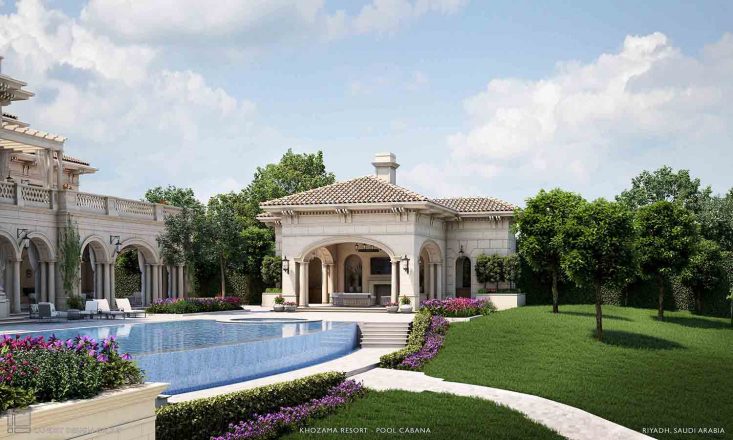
475 204
362 190
72 159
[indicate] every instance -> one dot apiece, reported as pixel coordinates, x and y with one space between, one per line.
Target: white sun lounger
104 310
123 305
90 309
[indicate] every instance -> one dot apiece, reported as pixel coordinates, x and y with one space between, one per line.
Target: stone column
303 284
156 281
324 284
394 284
439 281
52 282
16 286
112 283
148 298
430 287
169 279
331 279
60 172
107 292
179 284
44 283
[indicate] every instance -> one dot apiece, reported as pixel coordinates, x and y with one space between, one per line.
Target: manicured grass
445 415
676 373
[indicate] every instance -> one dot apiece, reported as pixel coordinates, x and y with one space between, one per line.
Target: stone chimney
385 167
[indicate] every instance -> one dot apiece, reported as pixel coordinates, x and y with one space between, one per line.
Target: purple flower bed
291 417
434 338
459 307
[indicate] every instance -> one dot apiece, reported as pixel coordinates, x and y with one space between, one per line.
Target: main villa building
367 241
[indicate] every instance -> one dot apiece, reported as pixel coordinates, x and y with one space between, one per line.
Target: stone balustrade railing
80 202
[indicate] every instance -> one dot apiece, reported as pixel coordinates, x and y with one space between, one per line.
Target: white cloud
589 123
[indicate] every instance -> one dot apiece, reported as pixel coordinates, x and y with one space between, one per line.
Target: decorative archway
97 269
430 265
36 269
9 258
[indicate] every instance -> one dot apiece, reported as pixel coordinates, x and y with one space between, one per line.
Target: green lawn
384 414
676 374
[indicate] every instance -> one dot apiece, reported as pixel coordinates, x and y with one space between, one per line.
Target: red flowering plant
459 307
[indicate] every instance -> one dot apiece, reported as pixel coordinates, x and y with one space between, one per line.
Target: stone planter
290 308
278 307
406 308
126 413
391 309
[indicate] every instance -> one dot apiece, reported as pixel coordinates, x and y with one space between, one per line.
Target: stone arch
43 244
98 246
322 253
433 251
345 239
10 243
148 251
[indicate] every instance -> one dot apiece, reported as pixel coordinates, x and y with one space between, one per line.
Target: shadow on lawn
635 340
694 322
593 315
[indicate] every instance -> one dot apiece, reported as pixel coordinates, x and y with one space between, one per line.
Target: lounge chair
123 305
47 311
104 310
90 309
33 313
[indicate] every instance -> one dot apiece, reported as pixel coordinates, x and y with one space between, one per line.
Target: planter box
391 309
406 308
268 298
127 413
278 307
504 301
291 308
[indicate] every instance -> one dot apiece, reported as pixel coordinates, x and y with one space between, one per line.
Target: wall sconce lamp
115 240
461 254
22 235
285 264
407 264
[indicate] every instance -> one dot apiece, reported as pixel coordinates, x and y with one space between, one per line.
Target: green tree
70 257
665 184
272 271
666 236
489 269
600 249
716 220
173 195
704 270
183 239
512 269
541 225
223 235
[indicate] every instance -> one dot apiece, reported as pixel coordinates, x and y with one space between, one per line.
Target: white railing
22 195
134 208
34 196
91 202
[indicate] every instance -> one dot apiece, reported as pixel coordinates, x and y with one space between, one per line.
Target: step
382 345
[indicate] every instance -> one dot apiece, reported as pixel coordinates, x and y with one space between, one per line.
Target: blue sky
479 98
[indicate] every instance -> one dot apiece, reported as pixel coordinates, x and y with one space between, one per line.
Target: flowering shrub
279 299
290 303
459 307
433 341
200 419
39 370
195 305
415 341
391 304
290 417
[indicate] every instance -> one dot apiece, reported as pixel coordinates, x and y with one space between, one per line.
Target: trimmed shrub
126 282
194 305
202 419
459 307
415 341
15 397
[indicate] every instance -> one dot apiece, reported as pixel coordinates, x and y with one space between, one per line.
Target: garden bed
194 305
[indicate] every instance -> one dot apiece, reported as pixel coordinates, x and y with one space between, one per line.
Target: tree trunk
554 291
599 313
698 301
660 310
223 278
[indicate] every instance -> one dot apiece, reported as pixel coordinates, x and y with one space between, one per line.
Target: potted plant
279 305
391 307
290 306
405 307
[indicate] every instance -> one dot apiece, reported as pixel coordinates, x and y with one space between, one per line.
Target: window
381 266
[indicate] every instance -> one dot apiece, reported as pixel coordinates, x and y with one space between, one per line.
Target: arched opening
463 277
134 272
429 264
34 272
93 273
315 280
353 277
8 255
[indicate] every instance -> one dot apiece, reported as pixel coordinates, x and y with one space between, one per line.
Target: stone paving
568 421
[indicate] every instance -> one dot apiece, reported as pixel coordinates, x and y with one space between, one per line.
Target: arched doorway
430 267
353 276
34 270
463 277
134 272
96 277
315 280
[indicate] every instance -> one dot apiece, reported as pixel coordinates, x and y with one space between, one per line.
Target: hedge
202 419
415 341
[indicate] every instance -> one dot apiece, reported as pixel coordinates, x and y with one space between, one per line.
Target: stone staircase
17 318
384 334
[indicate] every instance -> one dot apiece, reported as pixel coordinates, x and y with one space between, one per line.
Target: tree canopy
665 184
173 195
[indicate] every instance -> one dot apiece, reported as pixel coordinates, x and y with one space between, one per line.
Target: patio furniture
33 313
73 315
352 299
90 310
47 311
123 305
104 310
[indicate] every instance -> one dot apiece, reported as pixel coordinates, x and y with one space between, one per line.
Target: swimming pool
197 354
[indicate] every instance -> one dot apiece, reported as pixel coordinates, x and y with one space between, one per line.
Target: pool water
197 354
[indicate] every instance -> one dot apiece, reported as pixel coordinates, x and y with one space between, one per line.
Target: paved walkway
568 421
